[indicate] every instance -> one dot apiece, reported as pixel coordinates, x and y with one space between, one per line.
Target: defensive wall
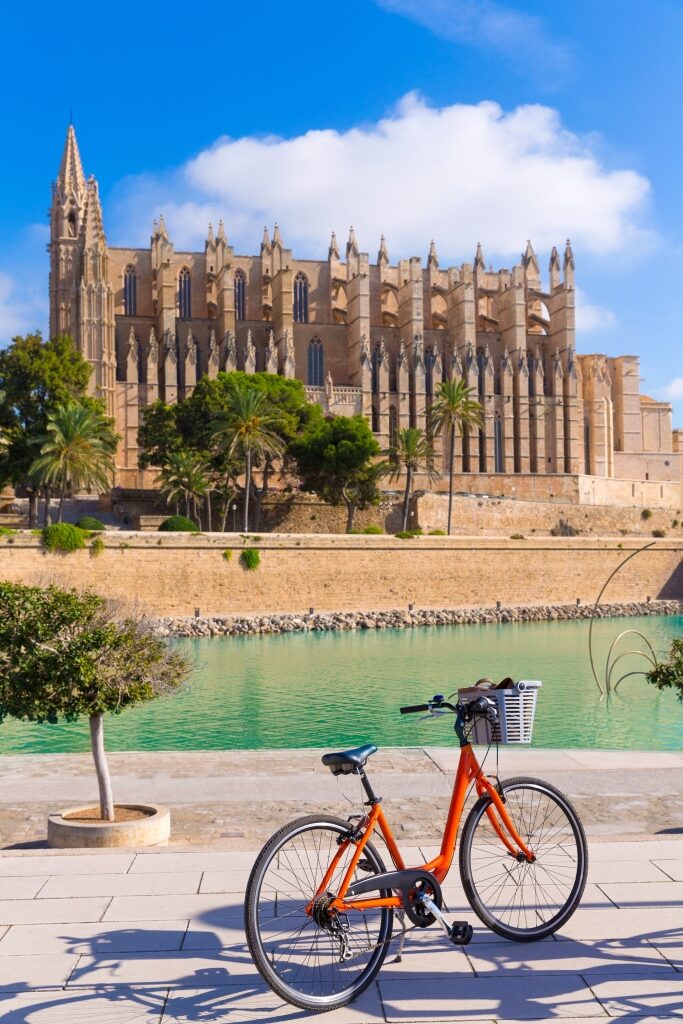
172 574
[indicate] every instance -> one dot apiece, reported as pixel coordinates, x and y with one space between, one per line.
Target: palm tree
77 451
411 453
454 408
184 477
245 429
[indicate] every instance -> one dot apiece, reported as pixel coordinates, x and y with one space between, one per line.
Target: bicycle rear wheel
514 898
315 962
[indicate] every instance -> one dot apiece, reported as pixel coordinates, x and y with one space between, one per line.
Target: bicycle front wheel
514 898
315 961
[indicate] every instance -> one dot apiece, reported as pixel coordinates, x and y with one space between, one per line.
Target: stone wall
175 574
502 517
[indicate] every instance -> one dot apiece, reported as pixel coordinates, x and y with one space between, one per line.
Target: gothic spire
210 237
333 251
554 268
568 256
277 237
529 257
221 233
479 262
93 225
432 259
162 228
71 176
352 244
383 254
265 242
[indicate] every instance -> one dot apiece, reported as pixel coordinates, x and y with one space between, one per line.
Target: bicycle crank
460 932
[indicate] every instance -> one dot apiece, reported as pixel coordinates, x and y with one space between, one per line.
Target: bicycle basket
516 711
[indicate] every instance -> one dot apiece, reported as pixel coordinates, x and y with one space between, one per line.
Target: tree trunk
47 518
32 510
406 496
209 517
261 492
350 514
101 767
187 506
450 478
247 488
62 496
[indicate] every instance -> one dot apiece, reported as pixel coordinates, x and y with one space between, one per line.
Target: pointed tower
383 253
66 214
95 330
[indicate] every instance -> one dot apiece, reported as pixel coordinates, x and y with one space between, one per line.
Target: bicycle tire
521 892
258 940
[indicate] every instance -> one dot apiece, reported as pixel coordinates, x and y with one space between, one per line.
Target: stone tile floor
150 937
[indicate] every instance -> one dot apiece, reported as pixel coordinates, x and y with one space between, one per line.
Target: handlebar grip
411 709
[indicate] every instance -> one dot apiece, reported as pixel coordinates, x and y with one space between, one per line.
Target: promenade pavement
144 937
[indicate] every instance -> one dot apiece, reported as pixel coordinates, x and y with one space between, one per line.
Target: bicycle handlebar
479 706
412 709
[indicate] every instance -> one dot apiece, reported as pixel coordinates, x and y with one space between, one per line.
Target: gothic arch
300 299
316 363
240 295
185 294
130 288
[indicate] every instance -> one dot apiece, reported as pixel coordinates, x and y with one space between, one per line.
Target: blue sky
512 121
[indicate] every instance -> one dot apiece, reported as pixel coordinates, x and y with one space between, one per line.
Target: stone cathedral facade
371 338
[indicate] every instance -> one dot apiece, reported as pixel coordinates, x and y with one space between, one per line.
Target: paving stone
446 999
548 957
672 868
169 908
94 939
211 937
64 864
646 849
427 953
645 894
184 969
17 973
84 1007
54 911
21 888
625 871
206 860
657 994
254 1003
163 884
614 925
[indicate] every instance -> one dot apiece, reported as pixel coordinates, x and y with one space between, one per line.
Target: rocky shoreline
281 622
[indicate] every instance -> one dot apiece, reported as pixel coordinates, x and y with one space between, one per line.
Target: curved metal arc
595 608
625 654
625 676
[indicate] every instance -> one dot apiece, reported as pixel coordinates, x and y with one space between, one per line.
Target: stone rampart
175 574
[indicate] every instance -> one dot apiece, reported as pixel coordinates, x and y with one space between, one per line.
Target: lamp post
234 518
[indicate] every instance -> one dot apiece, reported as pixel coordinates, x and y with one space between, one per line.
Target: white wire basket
516 712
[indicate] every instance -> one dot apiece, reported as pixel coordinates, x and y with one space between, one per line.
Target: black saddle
347 761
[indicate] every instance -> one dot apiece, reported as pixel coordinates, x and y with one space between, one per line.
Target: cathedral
364 337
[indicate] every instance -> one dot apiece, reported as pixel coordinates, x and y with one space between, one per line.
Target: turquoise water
333 689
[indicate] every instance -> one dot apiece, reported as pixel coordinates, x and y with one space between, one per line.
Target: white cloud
674 389
521 38
458 174
21 310
591 317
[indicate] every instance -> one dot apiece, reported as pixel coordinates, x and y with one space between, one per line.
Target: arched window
316 367
430 359
393 426
184 294
71 225
375 370
300 299
240 295
130 292
587 447
481 374
482 450
498 460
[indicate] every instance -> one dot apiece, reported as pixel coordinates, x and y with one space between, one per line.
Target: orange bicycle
320 903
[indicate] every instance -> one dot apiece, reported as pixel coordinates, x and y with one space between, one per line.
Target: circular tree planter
141 825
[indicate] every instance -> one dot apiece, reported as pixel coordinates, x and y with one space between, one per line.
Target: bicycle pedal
461 933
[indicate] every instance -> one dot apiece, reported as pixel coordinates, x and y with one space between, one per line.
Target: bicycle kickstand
401 915
460 932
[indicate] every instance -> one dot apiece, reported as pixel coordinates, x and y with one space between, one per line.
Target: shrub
178 524
517 536
372 530
64 654
63 537
90 523
670 672
659 533
250 558
437 533
97 547
674 523
563 529
7 531
227 554
646 513
405 534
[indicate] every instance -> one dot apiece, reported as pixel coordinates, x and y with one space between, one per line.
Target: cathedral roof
71 176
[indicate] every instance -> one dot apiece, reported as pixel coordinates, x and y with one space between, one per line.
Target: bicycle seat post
369 791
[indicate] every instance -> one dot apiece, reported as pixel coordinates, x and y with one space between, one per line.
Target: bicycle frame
469 771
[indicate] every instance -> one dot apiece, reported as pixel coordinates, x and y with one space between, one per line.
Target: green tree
64 654
159 435
248 428
335 460
669 673
452 410
411 453
185 478
76 451
35 377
